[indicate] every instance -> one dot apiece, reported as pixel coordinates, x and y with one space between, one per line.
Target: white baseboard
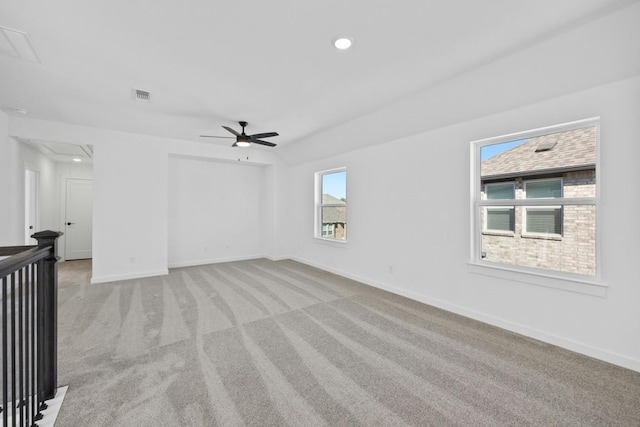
118 277
276 258
213 261
587 350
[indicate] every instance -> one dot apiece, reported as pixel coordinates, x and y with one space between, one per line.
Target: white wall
130 205
215 211
129 209
14 158
48 192
11 188
409 208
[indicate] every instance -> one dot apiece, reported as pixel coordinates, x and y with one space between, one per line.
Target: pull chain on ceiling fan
244 140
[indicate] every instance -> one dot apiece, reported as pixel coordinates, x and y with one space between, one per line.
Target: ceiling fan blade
213 136
258 141
234 144
231 130
264 135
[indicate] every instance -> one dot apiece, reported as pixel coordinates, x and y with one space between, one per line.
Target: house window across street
535 199
543 219
499 218
331 205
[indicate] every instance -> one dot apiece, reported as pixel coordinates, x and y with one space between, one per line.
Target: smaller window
501 218
331 204
543 219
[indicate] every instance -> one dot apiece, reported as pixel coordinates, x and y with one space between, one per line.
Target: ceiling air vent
140 95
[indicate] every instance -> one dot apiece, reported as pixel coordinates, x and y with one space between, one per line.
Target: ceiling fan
244 140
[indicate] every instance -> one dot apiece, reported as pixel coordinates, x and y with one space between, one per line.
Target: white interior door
78 219
31 220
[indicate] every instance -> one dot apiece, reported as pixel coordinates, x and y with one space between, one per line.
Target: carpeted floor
279 343
76 272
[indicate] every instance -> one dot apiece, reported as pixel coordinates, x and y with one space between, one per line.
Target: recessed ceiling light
77 159
342 43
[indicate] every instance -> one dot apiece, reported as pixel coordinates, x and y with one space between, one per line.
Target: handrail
23 259
28 310
13 250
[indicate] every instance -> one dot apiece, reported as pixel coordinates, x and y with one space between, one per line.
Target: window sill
556 237
330 241
571 283
498 233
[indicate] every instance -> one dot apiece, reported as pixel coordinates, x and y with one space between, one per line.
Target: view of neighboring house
334 218
559 237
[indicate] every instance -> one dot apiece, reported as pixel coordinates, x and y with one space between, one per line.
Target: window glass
536 199
545 220
500 191
332 207
544 189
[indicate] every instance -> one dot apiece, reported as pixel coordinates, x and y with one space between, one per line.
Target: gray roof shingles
334 214
574 149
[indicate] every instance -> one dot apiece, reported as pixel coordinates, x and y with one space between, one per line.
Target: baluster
5 366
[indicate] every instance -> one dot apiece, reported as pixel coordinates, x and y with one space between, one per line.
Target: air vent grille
140 95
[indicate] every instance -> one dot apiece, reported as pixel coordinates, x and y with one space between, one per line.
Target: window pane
501 219
573 252
334 188
500 191
571 153
334 221
544 220
544 189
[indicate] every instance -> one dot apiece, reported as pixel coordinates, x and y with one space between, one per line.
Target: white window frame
584 284
527 233
317 221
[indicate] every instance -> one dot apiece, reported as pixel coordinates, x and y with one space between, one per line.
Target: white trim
119 277
213 261
533 133
576 283
578 347
330 240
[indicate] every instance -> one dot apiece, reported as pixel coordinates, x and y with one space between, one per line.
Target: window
543 219
534 202
328 230
331 205
501 218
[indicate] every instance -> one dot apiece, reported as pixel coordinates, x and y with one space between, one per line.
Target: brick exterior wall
573 252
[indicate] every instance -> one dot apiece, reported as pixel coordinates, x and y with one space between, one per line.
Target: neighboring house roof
335 214
571 150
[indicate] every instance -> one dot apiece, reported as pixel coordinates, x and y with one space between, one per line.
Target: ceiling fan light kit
244 140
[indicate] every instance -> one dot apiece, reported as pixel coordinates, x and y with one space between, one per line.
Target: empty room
320 213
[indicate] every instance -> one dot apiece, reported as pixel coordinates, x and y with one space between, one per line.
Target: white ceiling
62 152
210 63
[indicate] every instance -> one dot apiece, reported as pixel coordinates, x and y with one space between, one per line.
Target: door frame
35 173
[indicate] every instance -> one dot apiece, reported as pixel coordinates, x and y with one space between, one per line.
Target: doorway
31 205
78 219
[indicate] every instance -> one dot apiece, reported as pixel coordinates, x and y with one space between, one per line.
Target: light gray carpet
279 343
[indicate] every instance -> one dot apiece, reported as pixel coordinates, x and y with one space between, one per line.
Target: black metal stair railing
29 329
